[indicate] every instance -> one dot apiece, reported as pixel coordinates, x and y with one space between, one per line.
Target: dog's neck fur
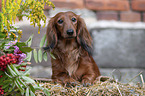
71 52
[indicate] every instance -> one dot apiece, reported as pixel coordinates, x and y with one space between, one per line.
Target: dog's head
68 25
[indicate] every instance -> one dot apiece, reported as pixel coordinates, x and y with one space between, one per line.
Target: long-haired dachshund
71 44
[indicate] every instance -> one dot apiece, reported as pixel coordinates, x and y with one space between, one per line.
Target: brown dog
71 44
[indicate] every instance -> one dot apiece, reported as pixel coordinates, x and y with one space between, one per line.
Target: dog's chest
71 62
69 56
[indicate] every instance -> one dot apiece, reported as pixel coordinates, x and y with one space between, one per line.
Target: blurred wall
119 10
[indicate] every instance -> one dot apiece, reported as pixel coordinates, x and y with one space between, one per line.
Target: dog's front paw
70 82
86 82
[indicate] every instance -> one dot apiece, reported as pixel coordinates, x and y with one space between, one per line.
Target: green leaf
40 55
38 88
21 82
2 44
17 94
25 49
6 85
24 63
27 71
15 69
28 79
29 41
20 44
26 42
29 55
2 79
27 91
45 56
42 41
46 92
11 88
52 56
35 55
31 93
6 89
32 88
8 75
12 72
7 81
2 35
10 50
1 72
17 83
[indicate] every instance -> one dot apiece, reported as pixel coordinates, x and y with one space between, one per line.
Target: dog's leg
60 74
88 79
88 71
64 79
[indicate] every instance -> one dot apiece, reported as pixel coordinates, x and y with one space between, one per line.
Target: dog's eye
60 21
73 19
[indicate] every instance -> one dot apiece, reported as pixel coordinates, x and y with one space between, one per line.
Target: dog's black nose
70 31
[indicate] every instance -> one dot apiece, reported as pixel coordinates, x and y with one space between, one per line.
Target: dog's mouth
71 37
68 37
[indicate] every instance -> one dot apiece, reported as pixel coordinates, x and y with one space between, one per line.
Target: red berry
8 55
4 56
11 54
24 66
9 61
17 56
14 62
4 59
22 70
2 64
1 58
13 59
5 67
19 52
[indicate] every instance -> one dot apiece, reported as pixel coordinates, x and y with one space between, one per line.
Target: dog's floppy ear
51 35
84 38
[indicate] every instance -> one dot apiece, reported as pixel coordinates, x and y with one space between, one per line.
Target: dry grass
104 86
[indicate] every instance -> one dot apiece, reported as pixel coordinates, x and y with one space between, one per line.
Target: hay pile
105 86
